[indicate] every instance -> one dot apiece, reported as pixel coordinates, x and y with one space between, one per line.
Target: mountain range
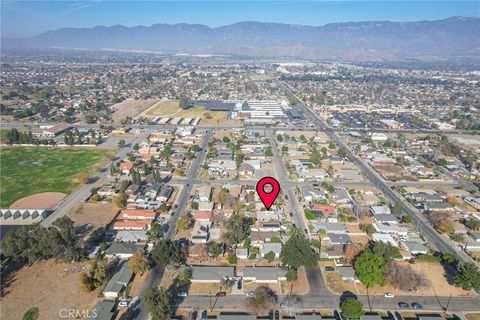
455 37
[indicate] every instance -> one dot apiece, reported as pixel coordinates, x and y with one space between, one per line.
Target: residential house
138 214
339 238
276 248
165 193
211 274
205 193
241 253
200 232
415 247
126 167
130 224
103 310
348 274
123 250
118 282
264 274
131 236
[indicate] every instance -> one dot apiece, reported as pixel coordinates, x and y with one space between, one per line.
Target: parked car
194 315
328 269
182 294
403 305
417 306
389 295
221 294
277 315
239 284
124 302
204 314
250 294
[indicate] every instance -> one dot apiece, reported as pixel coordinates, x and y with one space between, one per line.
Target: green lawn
27 171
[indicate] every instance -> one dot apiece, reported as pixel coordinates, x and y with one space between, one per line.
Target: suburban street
155 275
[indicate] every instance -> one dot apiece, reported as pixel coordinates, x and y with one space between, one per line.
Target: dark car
291 214
403 305
277 315
239 284
417 306
194 315
221 294
204 314
328 269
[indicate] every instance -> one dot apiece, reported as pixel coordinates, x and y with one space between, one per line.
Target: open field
43 200
433 272
37 286
130 108
89 217
28 171
163 108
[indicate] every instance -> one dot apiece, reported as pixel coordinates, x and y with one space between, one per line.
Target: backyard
28 171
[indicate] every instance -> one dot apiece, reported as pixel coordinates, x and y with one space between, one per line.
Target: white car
250 294
124 302
389 295
182 294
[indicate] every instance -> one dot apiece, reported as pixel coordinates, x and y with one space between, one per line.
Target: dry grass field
131 108
164 108
40 282
43 200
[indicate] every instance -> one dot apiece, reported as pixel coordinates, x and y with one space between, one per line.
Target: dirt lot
43 200
48 285
393 172
432 271
164 108
92 216
130 107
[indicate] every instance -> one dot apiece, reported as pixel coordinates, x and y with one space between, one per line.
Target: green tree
352 309
232 258
407 218
398 209
167 252
386 250
157 302
369 268
138 263
237 229
444 226
31 314
473 224
155 231
262 300
368 229
184 223
214 249
184 277
342 152
297 251
468 277
268 152
269 256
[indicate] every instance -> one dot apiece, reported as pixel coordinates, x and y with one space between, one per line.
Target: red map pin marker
268 189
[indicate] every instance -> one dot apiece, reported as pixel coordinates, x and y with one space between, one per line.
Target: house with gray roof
222 316
264 274
370 317
211 274
131 236
330 227
308 317
415 247
118 282
265 248
339 238
102 311
123 250
348 274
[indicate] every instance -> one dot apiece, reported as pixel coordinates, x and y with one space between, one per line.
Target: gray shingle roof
211 273
264 273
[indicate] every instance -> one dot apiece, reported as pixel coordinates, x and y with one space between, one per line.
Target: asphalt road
156 274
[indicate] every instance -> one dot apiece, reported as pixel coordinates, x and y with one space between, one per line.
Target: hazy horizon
41 16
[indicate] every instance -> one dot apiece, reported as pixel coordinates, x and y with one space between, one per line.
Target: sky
28 18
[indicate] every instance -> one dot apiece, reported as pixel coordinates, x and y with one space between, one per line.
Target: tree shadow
347 295
7 277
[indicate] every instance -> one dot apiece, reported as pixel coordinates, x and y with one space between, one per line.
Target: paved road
83 192
443 244
156 274
282 182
